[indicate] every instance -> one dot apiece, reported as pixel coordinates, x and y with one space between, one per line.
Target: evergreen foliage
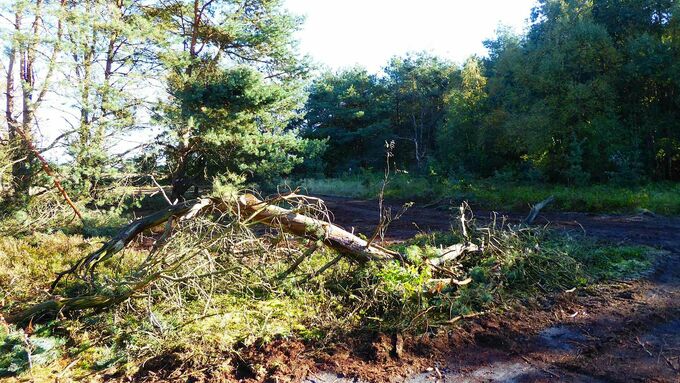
591 93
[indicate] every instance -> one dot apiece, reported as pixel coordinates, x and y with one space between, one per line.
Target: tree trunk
250 207
20 168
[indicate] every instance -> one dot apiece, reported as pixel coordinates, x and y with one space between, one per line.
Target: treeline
590 93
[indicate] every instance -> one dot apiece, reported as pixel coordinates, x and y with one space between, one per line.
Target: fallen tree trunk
250 210
250 207
94 301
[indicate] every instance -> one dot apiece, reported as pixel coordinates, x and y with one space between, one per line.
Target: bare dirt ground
623 332
618 332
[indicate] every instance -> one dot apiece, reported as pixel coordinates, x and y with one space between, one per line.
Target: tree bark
251 208
20 133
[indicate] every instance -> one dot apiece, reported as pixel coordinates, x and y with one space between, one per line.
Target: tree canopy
589 93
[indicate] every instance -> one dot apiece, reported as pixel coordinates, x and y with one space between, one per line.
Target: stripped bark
253 209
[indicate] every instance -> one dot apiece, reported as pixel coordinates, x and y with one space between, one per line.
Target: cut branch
252 210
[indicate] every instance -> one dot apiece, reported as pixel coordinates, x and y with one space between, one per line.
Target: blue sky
343 33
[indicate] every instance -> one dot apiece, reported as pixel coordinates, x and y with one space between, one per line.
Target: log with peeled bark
335 237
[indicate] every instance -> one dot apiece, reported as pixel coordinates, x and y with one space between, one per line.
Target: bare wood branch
537 209
160 188
454 252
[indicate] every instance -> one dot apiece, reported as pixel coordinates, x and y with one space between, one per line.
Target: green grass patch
662 198
527 264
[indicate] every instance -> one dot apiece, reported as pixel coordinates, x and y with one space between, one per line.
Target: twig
298 261
385 215
12 163
324 268
669 362
467 316
162 191
463 224
48 170
643 346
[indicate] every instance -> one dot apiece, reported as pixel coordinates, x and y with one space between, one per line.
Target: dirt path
625 332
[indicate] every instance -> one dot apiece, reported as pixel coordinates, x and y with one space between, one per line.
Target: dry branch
537 209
